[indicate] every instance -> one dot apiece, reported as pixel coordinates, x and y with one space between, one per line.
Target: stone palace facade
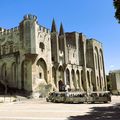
35 59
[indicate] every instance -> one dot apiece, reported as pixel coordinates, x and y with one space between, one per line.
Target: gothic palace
37 60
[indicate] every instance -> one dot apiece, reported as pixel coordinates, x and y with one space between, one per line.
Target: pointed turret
61 32
53 28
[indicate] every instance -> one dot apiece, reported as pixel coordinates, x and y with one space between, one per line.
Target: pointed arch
54 76
42 67
14 74
73 77
93 81
78 78
83 81
67 76
101 59
4 72
88 78
23 74
96 58
61 73
98 83
61 85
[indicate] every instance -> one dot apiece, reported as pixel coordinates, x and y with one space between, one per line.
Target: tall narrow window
42 46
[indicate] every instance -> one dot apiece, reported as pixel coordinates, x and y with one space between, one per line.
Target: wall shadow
100 113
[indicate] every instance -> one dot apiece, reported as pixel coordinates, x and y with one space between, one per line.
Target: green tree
116 4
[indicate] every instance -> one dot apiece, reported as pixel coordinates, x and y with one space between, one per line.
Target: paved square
41 110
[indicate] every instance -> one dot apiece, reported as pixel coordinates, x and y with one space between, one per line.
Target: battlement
30 17
8 31
43 29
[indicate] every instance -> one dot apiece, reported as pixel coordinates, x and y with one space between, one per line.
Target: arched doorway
42 68
61 85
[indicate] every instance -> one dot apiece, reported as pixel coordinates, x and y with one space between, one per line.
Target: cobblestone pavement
41 110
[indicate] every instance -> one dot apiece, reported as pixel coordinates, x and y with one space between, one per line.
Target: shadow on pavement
100 113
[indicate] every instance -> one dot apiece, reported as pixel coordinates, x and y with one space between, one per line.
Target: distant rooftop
115 71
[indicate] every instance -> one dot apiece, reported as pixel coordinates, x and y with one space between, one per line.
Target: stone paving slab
36 110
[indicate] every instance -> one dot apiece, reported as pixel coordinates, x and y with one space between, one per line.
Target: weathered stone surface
36 60
114 77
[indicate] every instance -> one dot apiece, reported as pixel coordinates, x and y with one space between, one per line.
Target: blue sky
95 18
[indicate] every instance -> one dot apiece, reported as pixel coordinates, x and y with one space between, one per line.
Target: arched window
42 46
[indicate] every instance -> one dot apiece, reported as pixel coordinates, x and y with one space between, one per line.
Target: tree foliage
117 8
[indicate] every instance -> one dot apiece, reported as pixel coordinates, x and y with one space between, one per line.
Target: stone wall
36 60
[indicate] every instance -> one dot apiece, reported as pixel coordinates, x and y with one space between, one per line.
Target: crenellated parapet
30 17
8 31
43 29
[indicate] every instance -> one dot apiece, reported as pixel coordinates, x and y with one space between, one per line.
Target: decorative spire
53 28
61 32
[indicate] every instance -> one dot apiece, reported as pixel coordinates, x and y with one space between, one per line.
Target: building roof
114 71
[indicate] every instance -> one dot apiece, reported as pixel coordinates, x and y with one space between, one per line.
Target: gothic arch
61 73
101 58
54 76
102 67
42 67
98 83
96 61
67 76
99 66
83 81
23 74
88 78
93 81
78 78
73 77
61 85
4 72
96 58
61 79
14 73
